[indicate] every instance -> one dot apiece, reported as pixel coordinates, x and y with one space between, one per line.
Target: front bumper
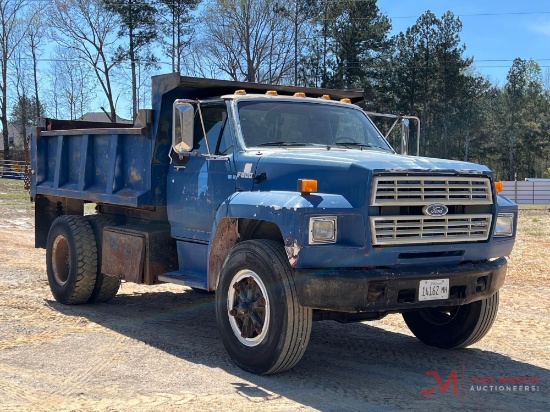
396 290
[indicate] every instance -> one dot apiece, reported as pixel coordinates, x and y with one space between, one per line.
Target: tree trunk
35 76
296 10
467 145
133 69
512 144
174 44
4 111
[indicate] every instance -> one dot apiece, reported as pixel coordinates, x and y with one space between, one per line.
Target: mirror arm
203 128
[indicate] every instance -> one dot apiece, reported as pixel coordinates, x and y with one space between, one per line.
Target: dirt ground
154 348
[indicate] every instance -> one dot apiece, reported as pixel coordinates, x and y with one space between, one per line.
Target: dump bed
100 164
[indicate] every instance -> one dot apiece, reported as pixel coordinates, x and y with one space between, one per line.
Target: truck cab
286 202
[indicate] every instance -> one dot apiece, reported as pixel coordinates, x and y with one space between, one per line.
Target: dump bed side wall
97 165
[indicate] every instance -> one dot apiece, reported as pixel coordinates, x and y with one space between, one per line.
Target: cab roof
200 88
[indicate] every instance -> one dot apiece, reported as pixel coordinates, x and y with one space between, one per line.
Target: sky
495 32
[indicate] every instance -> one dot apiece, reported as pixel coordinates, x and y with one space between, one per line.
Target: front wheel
455 326
263 327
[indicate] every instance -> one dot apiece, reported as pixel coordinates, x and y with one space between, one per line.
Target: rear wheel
454 326
106 287
263 326
71 260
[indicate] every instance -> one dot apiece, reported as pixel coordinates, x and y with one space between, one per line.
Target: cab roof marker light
325 96
240 92
271 92
299 94
345 100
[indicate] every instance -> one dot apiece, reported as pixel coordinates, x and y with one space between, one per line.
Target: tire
278 339
71 259
453 327
106 287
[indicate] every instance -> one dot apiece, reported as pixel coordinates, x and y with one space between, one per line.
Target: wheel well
47 209
231 231
259 229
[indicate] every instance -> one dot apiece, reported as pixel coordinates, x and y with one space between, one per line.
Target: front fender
287 210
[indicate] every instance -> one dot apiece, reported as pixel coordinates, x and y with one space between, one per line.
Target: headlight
504 225
322 229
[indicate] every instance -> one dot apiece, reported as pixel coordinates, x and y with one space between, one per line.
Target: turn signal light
271 92
240 92
499 186
307 186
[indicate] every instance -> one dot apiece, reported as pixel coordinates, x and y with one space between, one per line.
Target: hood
347 172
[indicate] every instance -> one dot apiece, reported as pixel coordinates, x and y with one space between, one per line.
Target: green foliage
177 28
349 43
24 111
138 26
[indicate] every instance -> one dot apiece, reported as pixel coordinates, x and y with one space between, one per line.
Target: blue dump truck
286 202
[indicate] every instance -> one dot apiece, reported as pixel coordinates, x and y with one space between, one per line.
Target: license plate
433 289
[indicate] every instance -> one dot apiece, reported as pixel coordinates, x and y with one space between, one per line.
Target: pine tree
176 26
138 25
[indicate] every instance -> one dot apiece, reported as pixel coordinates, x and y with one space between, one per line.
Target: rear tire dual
106 287
262 325
73 260
453 327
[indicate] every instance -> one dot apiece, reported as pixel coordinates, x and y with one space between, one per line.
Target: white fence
536 192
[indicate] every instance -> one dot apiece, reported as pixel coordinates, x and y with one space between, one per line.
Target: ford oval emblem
435 209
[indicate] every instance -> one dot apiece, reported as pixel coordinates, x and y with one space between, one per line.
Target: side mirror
182 126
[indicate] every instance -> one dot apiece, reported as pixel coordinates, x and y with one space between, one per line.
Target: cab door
202 179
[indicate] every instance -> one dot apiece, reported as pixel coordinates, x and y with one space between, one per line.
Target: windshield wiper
351 145
281 144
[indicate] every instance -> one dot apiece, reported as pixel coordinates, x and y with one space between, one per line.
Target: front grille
425 190
400 230
400 200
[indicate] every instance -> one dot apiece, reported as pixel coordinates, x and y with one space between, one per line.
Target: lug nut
261 301
233 312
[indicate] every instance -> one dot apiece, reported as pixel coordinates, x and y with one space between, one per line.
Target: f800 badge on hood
435 209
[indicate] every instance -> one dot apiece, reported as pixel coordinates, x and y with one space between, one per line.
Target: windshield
285 123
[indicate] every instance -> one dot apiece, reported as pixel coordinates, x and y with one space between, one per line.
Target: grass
533 207
534 226
13 193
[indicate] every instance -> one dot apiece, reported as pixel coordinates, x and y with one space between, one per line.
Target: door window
216 126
